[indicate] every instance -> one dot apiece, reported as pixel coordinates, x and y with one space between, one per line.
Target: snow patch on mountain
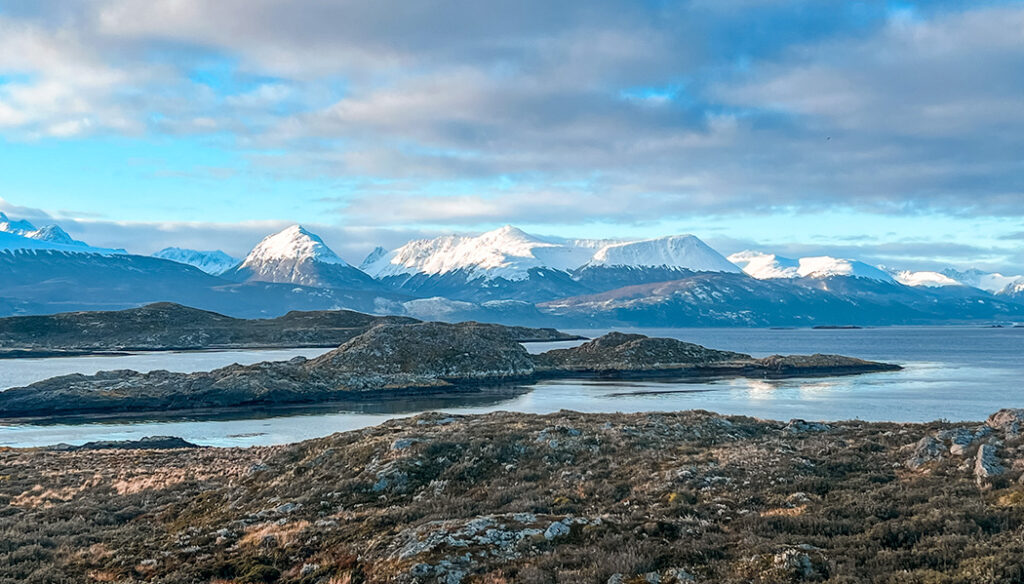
292 243
21 234
766 266
925 279
511 253
770 266
675 251
213 262
993 282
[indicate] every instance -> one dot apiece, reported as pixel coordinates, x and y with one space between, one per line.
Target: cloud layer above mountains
618 109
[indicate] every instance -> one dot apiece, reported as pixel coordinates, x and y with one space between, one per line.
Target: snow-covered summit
55 234
507 252
22 235
766 266
213 262
510 253
926 279
674 251
770 266
292 243
993 282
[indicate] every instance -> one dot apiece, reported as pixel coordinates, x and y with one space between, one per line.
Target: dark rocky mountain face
738 300
541 285
304 272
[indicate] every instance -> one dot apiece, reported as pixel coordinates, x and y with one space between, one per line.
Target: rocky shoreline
393 359
506 497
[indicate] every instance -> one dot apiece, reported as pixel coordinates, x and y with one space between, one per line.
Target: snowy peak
924 279
507 252
54 234
827 266
510 253
766 266
16 227
770 266
212 262
675 251
292 243
22 235
993 282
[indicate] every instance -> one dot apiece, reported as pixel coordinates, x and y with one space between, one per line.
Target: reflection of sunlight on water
759 389
816 390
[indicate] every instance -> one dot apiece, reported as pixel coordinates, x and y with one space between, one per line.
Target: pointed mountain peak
373 257
293 243
54 234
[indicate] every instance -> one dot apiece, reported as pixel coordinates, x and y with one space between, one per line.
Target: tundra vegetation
505 497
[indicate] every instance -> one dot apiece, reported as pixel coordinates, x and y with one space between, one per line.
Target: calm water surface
955 373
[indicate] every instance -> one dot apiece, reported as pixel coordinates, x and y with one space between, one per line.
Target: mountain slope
770 266
297 256
712 299
212 262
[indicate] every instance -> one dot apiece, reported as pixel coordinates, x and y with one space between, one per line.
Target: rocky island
404 358
165 326
507 498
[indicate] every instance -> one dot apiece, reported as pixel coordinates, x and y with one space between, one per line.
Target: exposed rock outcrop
400 358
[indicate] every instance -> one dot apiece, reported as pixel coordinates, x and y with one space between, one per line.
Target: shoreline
449 388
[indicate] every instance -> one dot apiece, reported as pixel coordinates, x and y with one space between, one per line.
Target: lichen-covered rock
1009 420
986 464
927 449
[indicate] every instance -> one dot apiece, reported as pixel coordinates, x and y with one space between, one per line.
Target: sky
887 131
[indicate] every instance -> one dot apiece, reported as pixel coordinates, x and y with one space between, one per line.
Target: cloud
461 113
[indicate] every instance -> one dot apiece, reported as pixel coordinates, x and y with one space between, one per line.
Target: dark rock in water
402 358
807 364
626 352
638 354
146 443
386 357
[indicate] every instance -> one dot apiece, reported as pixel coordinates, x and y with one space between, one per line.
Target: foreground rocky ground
563 498
400 359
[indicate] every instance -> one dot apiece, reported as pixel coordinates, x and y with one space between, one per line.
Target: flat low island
389 359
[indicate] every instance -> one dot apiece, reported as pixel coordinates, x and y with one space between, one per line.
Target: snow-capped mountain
769 266
212 262
508 253
926 279
508 263
993 282
685 252
297 256
22 235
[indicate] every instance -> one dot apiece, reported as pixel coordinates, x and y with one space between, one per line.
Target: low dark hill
168 326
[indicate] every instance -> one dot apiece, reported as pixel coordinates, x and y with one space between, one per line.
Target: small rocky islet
405 358
536 499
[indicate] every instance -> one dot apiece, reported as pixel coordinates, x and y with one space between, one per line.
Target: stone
986 464
1009 420
556 529
926 450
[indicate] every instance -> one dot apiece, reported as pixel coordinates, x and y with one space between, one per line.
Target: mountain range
505 275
